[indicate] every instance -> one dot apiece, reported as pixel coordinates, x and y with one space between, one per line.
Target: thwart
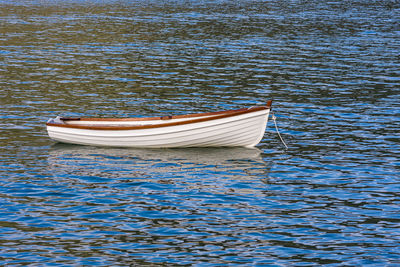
241 127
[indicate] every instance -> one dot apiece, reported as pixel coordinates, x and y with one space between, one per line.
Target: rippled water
332 69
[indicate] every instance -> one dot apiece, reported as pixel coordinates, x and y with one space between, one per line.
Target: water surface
332 70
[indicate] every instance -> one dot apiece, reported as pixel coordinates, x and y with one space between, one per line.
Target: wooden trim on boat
208 117
269 104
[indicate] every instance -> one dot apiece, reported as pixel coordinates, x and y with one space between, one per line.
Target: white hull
244 129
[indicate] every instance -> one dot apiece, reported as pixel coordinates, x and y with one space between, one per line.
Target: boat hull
245 130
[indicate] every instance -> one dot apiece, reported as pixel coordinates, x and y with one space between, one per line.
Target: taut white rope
276 127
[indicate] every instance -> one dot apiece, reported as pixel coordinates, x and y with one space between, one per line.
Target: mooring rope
276 127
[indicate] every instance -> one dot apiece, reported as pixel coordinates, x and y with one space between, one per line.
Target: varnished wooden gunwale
207 117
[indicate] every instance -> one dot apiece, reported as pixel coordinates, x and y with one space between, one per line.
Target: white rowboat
242 127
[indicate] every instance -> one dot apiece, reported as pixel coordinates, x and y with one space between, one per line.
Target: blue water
332 70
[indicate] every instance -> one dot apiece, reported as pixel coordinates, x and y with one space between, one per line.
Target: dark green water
332 69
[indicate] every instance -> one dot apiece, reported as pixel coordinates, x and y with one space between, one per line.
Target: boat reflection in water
194 168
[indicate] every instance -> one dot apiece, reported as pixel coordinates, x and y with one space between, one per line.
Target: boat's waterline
243 128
